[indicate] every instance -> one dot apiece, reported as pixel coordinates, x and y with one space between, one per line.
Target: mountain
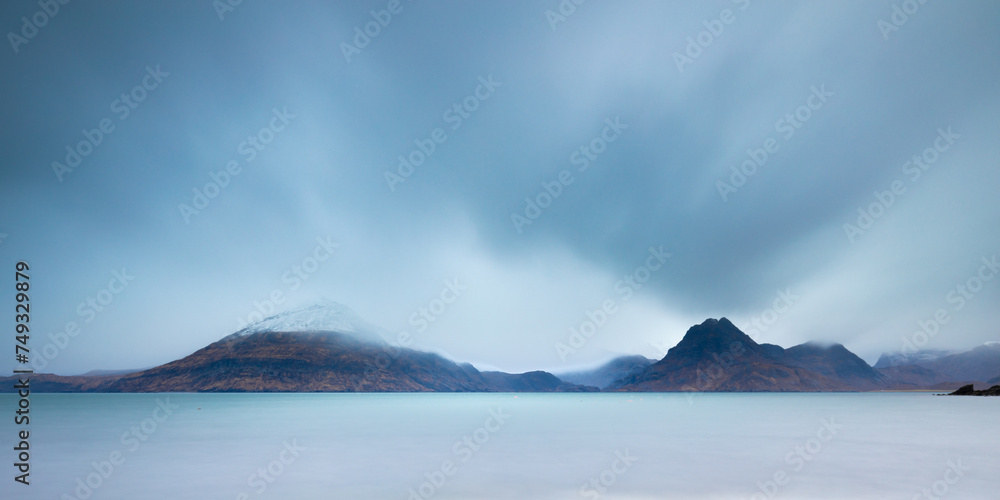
327 347
605 375
322 347
942 369
323 361
717 356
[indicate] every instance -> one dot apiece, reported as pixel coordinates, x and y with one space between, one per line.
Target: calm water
450 446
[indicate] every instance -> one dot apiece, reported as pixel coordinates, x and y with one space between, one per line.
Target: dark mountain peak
715 326
713 336
712 322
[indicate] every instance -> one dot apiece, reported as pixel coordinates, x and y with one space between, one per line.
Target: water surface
507 446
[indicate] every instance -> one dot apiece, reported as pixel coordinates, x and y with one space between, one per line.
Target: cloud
655 184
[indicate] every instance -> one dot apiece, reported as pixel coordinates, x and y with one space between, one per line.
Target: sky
521 185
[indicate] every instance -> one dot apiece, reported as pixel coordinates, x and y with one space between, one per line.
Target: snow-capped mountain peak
323 316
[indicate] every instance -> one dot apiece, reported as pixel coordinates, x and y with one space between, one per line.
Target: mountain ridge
329 348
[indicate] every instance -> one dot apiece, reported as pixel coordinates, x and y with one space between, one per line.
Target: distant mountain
536 381
979 364
890 359
610 372
717 356
937 368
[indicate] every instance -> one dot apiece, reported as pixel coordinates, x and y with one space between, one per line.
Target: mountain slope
322 361
836 362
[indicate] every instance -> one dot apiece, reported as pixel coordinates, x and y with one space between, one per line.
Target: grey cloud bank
874 115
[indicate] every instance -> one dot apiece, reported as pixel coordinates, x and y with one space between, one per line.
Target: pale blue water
379 446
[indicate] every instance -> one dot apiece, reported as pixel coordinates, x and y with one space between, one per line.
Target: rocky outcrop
968 390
